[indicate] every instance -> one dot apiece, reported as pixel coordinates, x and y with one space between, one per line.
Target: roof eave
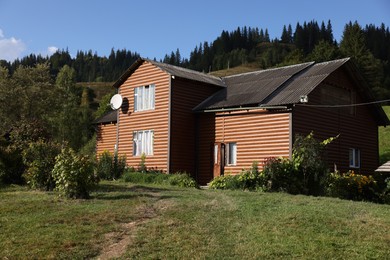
128 72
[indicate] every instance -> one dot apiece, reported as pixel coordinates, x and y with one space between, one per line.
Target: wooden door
219 159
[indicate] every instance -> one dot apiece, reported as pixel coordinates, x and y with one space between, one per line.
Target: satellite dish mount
116 103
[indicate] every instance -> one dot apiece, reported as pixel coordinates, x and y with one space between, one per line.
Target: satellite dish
116 101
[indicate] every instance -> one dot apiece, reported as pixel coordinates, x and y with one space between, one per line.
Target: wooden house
188 121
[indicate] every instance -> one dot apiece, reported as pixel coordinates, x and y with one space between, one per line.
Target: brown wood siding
185 95
106 138
358 130
206 139
156 119
259 135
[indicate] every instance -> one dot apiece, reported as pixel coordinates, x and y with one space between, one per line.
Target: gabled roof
271 87
251 88
107 118
173 71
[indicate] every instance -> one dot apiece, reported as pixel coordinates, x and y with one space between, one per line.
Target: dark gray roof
187 73
271 87
304 83
251 88
109 117
173 71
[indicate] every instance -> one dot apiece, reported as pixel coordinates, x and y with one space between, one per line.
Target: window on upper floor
354 158
143 142
144 98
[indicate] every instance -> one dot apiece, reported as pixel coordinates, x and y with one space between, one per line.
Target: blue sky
154 28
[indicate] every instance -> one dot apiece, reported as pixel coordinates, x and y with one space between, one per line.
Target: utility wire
350 105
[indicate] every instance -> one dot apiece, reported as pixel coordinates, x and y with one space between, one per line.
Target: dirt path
116 243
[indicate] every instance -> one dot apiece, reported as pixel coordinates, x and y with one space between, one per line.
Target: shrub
226 182
176 179
39 159
119 166
74 174
308 158
385 193
251 179
110 166
352 186
142 166
139 177
182 180
282 175
11 165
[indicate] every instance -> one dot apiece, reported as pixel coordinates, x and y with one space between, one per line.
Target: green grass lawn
163 222
384 140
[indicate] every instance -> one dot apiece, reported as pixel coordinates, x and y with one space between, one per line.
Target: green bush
226 182
308 158
110 167
281 175
385 193
140 177
176 179
352 186
251 179
11 165
74 174
182 180
39 159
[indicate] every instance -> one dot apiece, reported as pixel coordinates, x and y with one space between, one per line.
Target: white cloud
10 48
48 52
51 50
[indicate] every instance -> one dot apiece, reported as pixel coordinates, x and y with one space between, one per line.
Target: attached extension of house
187 121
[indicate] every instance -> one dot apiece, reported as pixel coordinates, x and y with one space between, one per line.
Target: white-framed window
143 142
354 158
231 153
144 98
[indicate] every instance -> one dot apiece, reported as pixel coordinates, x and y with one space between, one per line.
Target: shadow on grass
108 187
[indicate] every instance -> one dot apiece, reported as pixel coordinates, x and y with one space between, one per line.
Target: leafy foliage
352 186
226 182
11 164
282 175
251 179
110 166
39 158
308 158
73 174
177 179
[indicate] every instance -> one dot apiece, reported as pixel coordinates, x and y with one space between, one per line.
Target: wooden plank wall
106 138
156 120
356 131
186 94
259 135
205 145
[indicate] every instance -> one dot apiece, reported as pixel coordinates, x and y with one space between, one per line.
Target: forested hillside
249 47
